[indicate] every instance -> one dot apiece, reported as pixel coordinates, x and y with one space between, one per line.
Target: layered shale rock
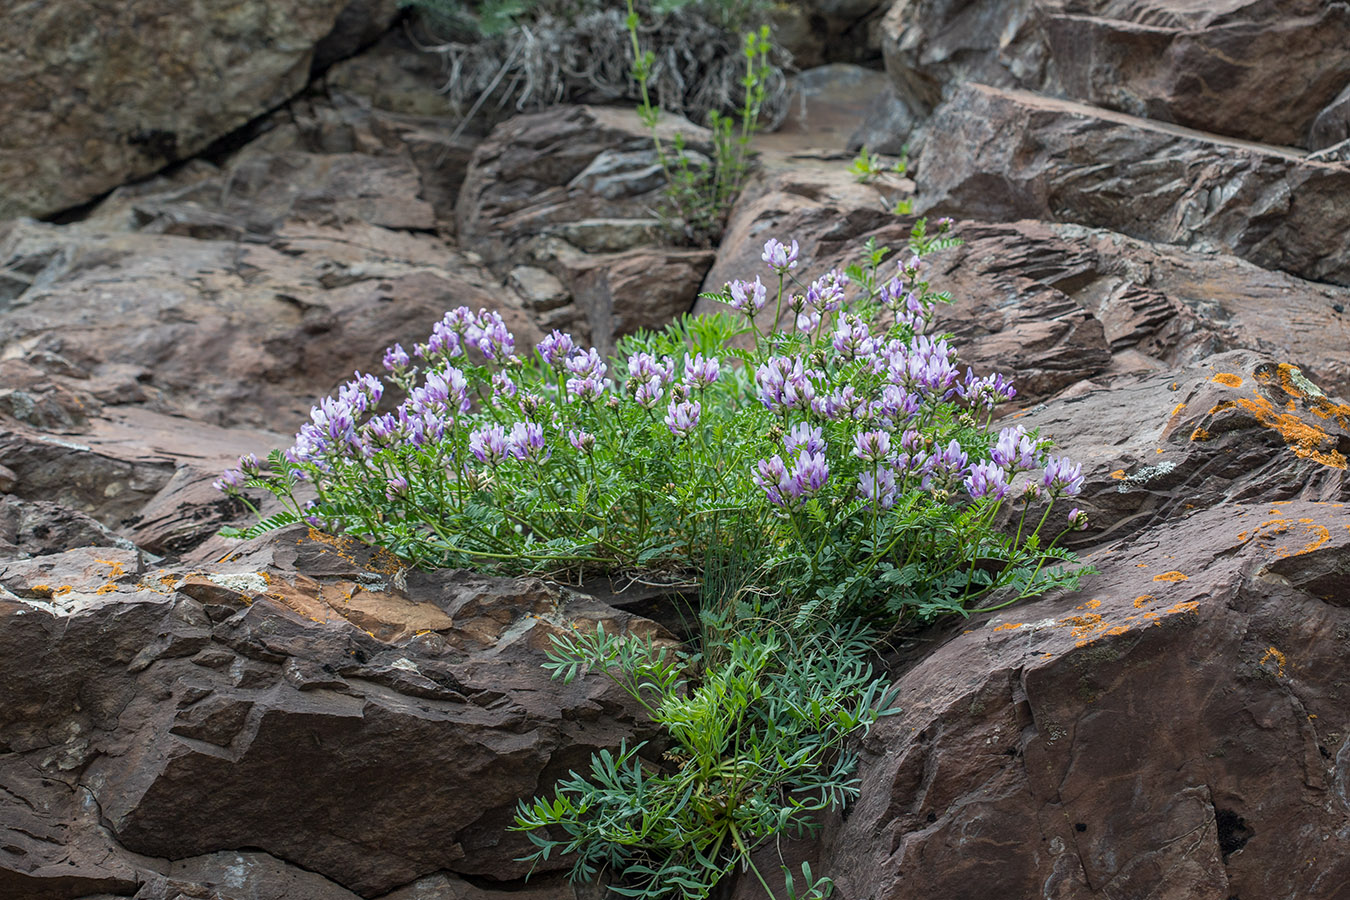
996 154
96 97
310 701
1253 69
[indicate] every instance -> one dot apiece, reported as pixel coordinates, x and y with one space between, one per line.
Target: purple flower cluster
785 383
787 487
779 257
748 297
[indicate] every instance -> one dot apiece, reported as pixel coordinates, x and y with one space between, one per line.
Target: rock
124 471
33 528
157 85
8 479
995 154
359 24
1051 749
539 171
621 293
1158 307
830 106
1237 428
1219 69
302 704
231 333
1332 125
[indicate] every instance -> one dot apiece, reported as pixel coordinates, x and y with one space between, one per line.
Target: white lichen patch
1145 475
243 582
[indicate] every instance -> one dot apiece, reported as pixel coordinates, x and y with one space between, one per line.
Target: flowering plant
818 479
847 452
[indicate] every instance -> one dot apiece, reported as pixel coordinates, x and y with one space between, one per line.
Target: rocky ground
1153 198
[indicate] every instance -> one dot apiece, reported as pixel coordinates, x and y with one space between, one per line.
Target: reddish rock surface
1223 67
1175 729
164 692
994 154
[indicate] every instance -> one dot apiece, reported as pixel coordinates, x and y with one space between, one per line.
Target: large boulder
93 97
1224 67
310 701
997 154
1175 729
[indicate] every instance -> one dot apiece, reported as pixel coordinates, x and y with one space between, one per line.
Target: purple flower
230 481
804 436
809 474
779 257
397 487
871 446
826 293
646 367
555 349
502 385
648 394
489 335
772 476
987 479
989 391
1062 477
1078 519
396 358
586 364
784 383
488 444
946 465
682 417
878 486
382 431
526 441
1015 450
589 388
851 338
581 441
897 405
748 297
699 373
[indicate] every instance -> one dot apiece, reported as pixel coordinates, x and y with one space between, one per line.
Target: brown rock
32 528
1238 427
368 763
1220 68
541 170
1332 125
232 333
995 154
1159 307
1168 731
157 86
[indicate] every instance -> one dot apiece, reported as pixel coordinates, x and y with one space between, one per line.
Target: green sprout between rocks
814 458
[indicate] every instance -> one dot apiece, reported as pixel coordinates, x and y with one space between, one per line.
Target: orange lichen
1278 657
1008 626
1228 378
1200 434
116 567
1141 600
107 588
1171 576
63 589
1306 441
1091 604
1118 474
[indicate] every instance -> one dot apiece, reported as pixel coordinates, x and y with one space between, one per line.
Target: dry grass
588 59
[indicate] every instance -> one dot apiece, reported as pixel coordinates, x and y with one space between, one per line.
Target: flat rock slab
997 155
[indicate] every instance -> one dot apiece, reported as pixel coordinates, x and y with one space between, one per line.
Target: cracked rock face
96 97
1175 729
292 709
